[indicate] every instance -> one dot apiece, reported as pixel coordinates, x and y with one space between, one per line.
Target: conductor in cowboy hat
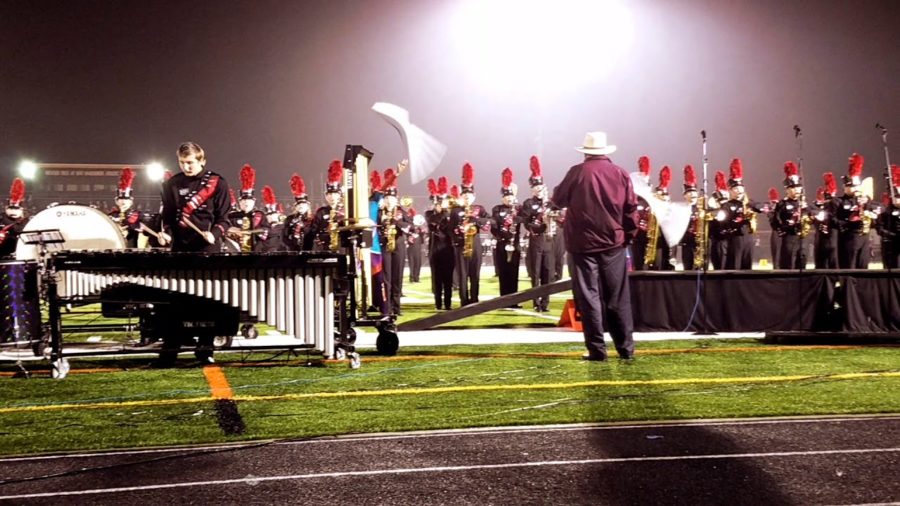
600 222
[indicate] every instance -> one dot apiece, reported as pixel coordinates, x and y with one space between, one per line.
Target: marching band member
440 247
888 223
718 241
825 244
194 218
275 219
380 300
394 225
774 238
739 221
691 196
540 217
329 217
506 220
791 222
639 246
466 221
13 220
853 216
659 258
414 241
249 227
295 234
129 220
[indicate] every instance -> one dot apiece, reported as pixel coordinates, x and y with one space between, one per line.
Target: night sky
285 85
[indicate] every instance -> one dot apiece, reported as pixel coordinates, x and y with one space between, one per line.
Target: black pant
825 248
739 255
688 249
414 255
775 249
441 263
790 256
718 250
853 250
890 253
541 255
469 273
507 268
393 273
600 285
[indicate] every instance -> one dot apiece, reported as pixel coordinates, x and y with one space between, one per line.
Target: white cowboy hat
595 144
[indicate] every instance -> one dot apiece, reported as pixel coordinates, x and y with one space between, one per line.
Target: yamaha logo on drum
70 212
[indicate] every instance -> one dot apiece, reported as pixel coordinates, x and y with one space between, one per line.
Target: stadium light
28 169
539 48
155 171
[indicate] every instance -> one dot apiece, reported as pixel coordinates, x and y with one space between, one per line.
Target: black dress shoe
593 358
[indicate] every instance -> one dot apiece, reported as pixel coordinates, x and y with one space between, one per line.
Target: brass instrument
507 227
701 235
390 230
749 213
246 236
652 239
334 238
469 233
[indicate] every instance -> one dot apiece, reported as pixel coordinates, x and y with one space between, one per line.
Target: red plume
269 196
432 187
298 187
126 178
885 199
736 169
390 178
665 176
248 177
412 212
720 181
690 177
644 165
468 174
506 177
442 185
830 183
790 169
17 192
820 194
773 194
375 181
335 172
535 165
856 165
895 174
454 191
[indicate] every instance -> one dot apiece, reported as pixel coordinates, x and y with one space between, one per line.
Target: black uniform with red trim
204 200
295 234
9 234
469 267
256 226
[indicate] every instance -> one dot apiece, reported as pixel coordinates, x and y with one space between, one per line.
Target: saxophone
749 213
334 239
390 230
652 238
469 233
701 236
805 220
246 238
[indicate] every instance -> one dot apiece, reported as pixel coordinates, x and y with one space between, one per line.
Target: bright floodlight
155 171
540 48
28 169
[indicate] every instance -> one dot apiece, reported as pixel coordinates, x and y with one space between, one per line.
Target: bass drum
82 227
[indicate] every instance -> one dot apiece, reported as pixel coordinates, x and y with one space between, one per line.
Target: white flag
423 151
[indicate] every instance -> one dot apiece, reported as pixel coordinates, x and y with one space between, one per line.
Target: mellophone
292 291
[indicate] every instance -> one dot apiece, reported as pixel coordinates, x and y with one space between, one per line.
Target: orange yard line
218 384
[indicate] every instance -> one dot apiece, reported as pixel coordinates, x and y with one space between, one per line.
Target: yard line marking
227 414
255 480
465 388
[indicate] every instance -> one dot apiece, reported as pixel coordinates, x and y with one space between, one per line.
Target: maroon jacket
602 211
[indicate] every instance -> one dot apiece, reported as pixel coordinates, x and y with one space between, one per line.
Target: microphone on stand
797 131
881 127
703 134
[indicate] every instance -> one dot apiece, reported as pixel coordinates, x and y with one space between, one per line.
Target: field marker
465 388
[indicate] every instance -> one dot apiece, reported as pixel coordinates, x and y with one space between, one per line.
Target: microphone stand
893 193
703 328
798 134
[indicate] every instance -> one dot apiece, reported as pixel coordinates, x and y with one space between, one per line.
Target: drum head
82 227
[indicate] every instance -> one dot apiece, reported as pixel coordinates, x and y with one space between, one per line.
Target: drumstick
145 228
191 224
